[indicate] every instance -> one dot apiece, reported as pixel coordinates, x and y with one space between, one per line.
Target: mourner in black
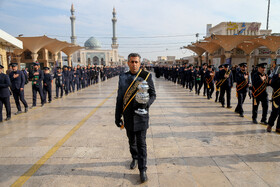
242 84
37 76
209 79
66 79
47 85
225 83
216 78
4 94
59 82
191 77
275 113
259 84
197 79
77 75
136 124
17 78
201 73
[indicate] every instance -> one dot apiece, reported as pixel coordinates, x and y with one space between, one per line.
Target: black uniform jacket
133 121
47 79
257 82
275 84
18 82
4 85
228 82
240 80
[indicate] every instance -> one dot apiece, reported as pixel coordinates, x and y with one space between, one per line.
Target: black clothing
37 85
261 97
241 89
275 113
226 86
135 124
47 88
5 95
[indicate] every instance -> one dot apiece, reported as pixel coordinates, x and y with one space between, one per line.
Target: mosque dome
92 43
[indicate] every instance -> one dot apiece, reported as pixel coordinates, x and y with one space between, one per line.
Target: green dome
92 43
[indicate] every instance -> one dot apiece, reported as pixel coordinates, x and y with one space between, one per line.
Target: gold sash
274 96
132 89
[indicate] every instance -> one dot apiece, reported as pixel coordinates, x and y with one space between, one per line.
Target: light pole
267 14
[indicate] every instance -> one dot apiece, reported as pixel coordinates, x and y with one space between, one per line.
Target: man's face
36 67
1 70
14 68
134 64
261 70
204 67
243 68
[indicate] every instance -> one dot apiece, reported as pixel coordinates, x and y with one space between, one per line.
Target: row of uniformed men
66 80
254 84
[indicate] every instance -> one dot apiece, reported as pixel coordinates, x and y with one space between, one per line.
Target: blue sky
180 19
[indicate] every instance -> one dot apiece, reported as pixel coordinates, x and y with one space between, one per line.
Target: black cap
14 64
190 65
220 66
36 64
262 65
46 68
209 66
58 68
243 64
65 66
1 67
205 64
196 66
226 65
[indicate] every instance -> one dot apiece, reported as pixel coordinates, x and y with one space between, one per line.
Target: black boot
143 176
133 164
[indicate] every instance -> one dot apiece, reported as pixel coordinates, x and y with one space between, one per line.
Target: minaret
114 39
73 18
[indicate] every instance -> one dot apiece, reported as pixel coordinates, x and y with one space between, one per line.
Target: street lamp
267 14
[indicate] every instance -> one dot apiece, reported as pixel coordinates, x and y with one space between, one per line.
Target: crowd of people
254 84
66 80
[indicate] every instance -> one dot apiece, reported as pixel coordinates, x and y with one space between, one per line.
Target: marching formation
253 84
66 79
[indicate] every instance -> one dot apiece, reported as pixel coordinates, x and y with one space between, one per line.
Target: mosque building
92 53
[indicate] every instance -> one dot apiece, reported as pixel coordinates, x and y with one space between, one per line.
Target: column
34 57
273 57
18 58
69 59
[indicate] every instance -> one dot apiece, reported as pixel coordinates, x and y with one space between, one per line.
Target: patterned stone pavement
191 141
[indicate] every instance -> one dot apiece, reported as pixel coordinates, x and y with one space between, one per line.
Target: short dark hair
133 55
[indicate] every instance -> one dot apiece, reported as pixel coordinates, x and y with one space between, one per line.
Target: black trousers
275 113
73 85
19 96
241 99
191 83
210 90
196 85
47 90
77 83
35 89
225 89
66 87
138 147
57 88
217 94
204 87
264 101
6 102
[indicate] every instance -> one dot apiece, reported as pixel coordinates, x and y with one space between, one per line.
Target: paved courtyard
191 141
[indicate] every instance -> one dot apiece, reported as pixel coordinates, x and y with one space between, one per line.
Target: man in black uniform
17 78
216 79
76 79
59 82
196 79
241 87
225 83
209 79
260 81
191 77
37 76
136 125
47 85
66 79
202 81
275 113
4 94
